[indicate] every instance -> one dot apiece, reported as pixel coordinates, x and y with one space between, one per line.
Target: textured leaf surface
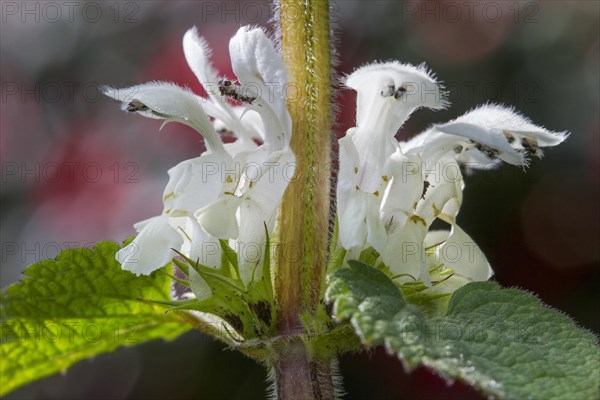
504 342
76 306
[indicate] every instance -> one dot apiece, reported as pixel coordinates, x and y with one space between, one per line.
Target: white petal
260 204
415 144
460 253
376 232
219 217
351 201
254 59
260 70
434 239
503 131
358 211
404 252
252 122
179 177
479 134
170 102
472 159
277 132
151 249
433 145
352 219
267 188
203 247
406 186
251 241
443 196
197 54
373 155
200 247
138 226
373 81
244 118
348 170
195 183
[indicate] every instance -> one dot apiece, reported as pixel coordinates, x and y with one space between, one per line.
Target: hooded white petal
411 86
170 102
262 75
433 146
197 54
501 132
151 249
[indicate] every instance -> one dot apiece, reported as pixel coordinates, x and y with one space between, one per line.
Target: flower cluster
389 193
231 191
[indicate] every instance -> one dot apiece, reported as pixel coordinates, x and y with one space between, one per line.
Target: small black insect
399 92
509 137
426 185
229 89
137 106
531 147
389 90
488 151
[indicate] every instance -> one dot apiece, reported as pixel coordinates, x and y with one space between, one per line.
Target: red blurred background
75 169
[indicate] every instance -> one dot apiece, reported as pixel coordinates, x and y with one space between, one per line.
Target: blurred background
75 169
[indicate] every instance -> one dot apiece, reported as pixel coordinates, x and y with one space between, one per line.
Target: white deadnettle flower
386 96
390 193
232 190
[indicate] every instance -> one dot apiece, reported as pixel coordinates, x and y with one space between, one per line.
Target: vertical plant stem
303 226
298 377
304 213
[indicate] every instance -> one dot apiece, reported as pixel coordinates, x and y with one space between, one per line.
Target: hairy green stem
304 213
303 225
297 376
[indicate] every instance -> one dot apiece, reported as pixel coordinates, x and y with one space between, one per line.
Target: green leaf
504 342
76 306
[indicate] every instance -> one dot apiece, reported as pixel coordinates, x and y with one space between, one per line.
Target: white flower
390 193
232 190
386 96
